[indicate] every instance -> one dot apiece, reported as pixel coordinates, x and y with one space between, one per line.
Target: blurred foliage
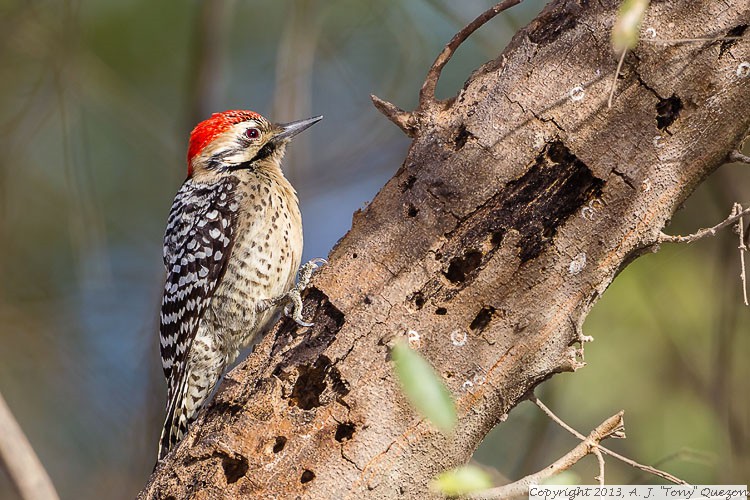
626 31
96 102
461 481
424 388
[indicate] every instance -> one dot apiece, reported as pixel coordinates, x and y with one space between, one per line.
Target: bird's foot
293 309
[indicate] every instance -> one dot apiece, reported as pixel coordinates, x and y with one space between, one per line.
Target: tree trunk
518 203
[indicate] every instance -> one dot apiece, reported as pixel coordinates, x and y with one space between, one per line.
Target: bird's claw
306 271
295 294
294 308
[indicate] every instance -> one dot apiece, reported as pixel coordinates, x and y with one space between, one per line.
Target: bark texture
518 203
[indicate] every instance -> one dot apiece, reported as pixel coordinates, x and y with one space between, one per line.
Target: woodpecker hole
309 386
344 432
278 446
483 318
737 31
307 476
557 152
418 299
234 468
667 111
497 238
313 381
461 137
552 26
438 255
460 267
411 210
367 300
441 311
354 255
408 183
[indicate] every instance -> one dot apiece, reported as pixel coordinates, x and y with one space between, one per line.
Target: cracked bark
515 208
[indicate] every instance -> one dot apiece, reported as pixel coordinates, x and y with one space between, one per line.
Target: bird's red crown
207 130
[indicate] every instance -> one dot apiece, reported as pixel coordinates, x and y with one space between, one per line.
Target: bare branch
736 156
600 458
403 119
632 463
427 93
18 458
742 248
611 427
711 231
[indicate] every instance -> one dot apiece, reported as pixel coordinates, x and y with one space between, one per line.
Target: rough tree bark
518 203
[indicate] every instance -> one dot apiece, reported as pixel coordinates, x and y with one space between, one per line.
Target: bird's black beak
289 130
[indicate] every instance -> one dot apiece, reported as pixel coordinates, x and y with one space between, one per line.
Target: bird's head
235 140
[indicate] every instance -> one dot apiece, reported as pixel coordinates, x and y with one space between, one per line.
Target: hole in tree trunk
667 111
234 468
344 432
279 444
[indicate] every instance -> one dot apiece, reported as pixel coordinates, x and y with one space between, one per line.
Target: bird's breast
265 255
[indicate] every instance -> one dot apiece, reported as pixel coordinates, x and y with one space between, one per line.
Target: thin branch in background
632 463
736 215
211 29
612 427
702 233
743 248
18 457
690 456
427 93
295 59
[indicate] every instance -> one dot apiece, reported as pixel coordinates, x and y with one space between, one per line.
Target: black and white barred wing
198 240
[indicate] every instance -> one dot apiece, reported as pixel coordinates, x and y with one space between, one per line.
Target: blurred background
96 103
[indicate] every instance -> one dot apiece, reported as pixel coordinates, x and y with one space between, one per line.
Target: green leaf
424 388
461 481
627 27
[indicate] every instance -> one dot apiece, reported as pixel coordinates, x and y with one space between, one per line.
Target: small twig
711 231
18 457
736 156
632 463
617 75
403 119
599 458
427 93
611 427
743 248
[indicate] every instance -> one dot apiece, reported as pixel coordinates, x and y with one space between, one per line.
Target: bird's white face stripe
229 147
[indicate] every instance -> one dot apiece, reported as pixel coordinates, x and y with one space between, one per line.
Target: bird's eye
252 133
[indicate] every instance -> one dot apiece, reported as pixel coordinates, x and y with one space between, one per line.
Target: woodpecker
232 248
